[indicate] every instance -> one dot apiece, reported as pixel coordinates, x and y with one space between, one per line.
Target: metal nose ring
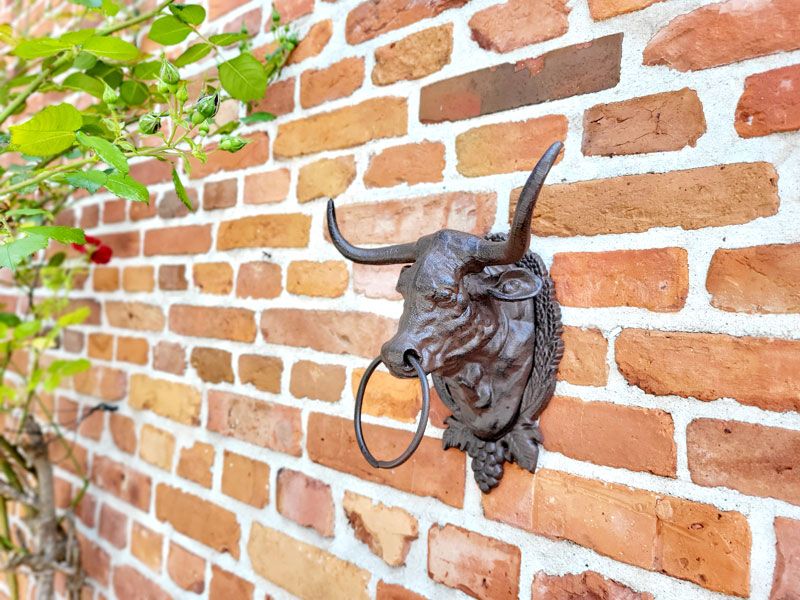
423 420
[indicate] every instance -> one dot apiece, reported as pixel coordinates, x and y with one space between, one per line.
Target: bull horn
388 255
519 237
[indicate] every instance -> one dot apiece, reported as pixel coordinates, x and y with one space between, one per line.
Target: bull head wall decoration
480 317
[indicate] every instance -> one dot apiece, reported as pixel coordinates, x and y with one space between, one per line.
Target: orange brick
186 569
264 372
101 346
414 56
269 187
105 279
235 324
387 396
132 350
316 381
135 315
584 361
339 80
213 278
176 401
123 432
195 463
375 17
325 178
254 153
258 280
123 482
129 584
409 163
186 239
225 585
275 231
157 447
146 545
326 279
245 479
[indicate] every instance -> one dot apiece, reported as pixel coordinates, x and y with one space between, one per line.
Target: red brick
94 560
264 372
123 482
787 564
584 360
415 56
186 239
337 332
129 584
691 199
429 472
135 315
339 80
293 9
105 279
314 42
255 421
141 210
150 172
275 231
123 245
169 357
170 206
410 163
90 216
375 17
203 521
763 372
132 350
218 8
480 566
535 21
316 381
195 463
253 154
225 586
391 591
269 187
605 9
172 277
279 99
715 450
758 279
220 194
138 279
146 545
769 103
343 128
578 69
724 33
245 479
507 147
100 345
657 280
101 382
637 439
588 584
237 324
113 526
656 123
186 569
306 501
123 432
114 211
258 280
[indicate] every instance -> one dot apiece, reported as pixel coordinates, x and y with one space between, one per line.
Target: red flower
98 252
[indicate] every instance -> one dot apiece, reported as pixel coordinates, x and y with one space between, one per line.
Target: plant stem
135 20
33 86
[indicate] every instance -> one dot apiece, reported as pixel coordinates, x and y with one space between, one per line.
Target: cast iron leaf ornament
480 317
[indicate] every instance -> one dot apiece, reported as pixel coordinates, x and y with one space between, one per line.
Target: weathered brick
105 279
655 123
507 147
308 278
176 401
237 324
388 396
410 164
429 472
306 501
185 239
280 99
758 279
292 9
578 69
535 21
266 188
584 360
327 177
264 372
212 364
94 560
691 199
276 231
101 382
605 9
716 448
480 566
327 330
213 278
388 531
657 280
254 421
245 479
256 152
415 56
725 32
157 447
130 584
302 569
170 206
318 382
763 372
135 315
339 80
786 581
169 357
132 350
124 245
637 439
375 17
100 345
219 194
218 8
138 279
195 463
398 221
314 42
140 210
391 591
186 569
377 281
123 432
258 280
122 481
113 526
172 277
226 585
343 128
146 545
769 103
582 585
199 519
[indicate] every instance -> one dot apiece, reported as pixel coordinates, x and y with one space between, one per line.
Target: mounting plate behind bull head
479 316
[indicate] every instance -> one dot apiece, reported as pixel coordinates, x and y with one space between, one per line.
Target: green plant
119 104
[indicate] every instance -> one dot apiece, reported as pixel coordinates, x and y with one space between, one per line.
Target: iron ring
423 421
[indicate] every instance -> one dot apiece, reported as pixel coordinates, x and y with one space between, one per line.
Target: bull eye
445 297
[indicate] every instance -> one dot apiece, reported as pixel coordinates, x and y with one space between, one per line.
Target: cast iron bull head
479 316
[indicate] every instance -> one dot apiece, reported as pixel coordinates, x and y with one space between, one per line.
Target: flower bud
208 105
203 128
197 118
182 94
110 95
149 124
168 73
232 143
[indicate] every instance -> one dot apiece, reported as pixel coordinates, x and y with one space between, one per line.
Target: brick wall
232 339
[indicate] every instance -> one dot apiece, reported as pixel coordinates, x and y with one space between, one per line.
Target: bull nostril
406 362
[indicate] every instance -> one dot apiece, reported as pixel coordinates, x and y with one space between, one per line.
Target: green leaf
84 83
9 319
243 77
226 39
193 54
84 61
65 235
89 180
27 212
88 3
125 186
109 73
194 14
147 70
133 93
12 253
74 317
111 48
181 191
77 37
27 329
168 31
110 7
40 48
258 117
49 132
107 151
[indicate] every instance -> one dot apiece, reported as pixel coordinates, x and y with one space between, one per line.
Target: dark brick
219 194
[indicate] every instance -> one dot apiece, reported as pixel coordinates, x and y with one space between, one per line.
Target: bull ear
515 285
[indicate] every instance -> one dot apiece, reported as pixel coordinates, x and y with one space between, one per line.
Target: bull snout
395 355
